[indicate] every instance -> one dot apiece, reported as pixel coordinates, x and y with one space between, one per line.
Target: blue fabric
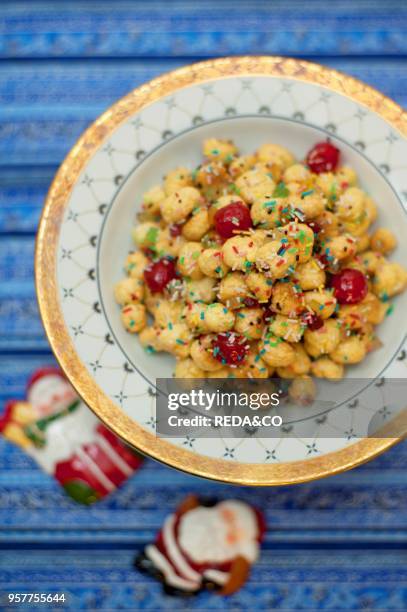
333 544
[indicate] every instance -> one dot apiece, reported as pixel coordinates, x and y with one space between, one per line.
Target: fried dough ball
195 317
197 225
369 310
134 317
275 259
201 290
232 290
259 285
358 227
302 390
254 184
323 340
322 302
276 352
288 329
241 164
179 204
310 275
341 247
218 318
351 204
370 209
265 211
167 244
346 176
203 358
148 338
383 241
301 238
211 263
390 279
187 368
166 312
152 199
135 264
299 366
223 150
297 173
328 222
128 291
362 243
253 367
177 179
249 323
372 261
175 339
324 367
239 252
211 179
188 258
286 300
310 203
349 351
145 234
274 153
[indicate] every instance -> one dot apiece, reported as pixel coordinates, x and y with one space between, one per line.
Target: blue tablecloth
333 544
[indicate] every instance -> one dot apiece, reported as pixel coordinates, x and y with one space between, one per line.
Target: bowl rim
46 270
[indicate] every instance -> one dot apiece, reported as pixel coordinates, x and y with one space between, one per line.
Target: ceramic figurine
66 439
205 545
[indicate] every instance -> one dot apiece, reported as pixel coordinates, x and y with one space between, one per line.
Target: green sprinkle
151 236
281 191
307 193
390 310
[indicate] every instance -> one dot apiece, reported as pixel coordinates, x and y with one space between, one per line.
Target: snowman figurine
205 544
66 439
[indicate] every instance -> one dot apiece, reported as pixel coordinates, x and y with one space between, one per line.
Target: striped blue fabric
333 544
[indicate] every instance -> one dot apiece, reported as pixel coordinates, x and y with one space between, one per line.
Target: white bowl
85 235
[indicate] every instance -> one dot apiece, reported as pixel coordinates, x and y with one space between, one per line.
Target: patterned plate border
48 291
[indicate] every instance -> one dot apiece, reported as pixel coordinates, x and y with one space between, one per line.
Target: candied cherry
175 230
230 348
268 314
158 274
323 157
349 285
234 217
312 321
250 302
316 228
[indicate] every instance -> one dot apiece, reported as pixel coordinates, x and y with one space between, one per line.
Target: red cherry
233 218
316 228
250 302
230 348
158 274
350 286
175 230
268 314
323 157
312 321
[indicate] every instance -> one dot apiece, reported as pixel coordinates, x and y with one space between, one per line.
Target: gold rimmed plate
84 235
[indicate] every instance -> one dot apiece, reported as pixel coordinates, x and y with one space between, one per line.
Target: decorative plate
84 235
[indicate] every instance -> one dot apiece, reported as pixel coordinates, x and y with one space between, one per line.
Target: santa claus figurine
205 544
66 439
